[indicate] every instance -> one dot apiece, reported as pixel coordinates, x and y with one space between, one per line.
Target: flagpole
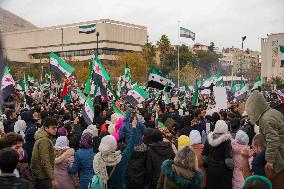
178 49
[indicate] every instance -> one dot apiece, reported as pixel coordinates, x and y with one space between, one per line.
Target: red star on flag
104 81
239 93
132 92
88 111
8 79
98 69
65 73
138 98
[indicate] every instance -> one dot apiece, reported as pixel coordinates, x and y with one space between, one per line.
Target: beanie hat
108 145
242 137
94 130
20 127
195 137
62 131
86 140
221 127
257 181
61 143
183 141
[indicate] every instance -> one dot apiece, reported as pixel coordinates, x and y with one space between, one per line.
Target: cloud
221 21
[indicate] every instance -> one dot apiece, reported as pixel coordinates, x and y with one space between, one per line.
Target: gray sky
222 21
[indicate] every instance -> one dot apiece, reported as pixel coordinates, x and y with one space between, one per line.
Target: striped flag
60 66
158 80
91 28
160 125
281 48
100 75
257 84
7 84
88 111
82 97
136 96
240 91
127 74
187 33
117 111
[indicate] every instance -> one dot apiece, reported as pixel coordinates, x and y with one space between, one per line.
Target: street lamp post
98 34
243 39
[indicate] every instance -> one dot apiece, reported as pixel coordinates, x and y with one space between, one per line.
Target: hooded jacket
126 129
29 144
271 123
42 163
175 177
157 153
27 116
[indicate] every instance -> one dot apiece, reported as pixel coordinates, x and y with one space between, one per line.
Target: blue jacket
258 163
83 164
126 129
117 180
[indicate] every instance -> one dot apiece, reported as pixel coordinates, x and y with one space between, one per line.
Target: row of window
84 52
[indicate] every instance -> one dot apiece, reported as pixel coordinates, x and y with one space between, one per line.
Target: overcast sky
222 21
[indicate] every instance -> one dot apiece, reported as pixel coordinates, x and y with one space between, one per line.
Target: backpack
96 183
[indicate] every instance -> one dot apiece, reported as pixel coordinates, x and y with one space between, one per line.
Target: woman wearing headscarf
83 161
64 157
110 164
180 173
217 155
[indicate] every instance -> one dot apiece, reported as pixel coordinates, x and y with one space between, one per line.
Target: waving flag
117 110
240 91
100 75
7 84
88 111
187 33
136 96
281 56
212 80
60 66
127 74
87 29
82 97
257 84
158 80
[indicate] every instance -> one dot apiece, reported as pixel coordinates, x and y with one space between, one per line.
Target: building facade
238 62
270 64
34 46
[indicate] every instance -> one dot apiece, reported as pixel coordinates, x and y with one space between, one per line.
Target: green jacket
43 157
271 124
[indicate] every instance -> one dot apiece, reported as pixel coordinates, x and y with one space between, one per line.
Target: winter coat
271 125
27 116
217 155
175 177
29 143
83 164
118 178
136 168
60 171
198 151
238 178
258 164
42 163
8 181
126 129
157 153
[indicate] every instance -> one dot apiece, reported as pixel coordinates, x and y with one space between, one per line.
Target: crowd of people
156 145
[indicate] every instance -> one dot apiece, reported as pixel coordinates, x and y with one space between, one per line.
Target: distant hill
11 22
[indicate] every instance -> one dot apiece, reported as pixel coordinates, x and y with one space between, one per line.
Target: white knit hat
20 127
195 137
61 143
221 127
242 137
108 144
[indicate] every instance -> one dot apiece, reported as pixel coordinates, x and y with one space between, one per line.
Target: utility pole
98 34
243 39
178 50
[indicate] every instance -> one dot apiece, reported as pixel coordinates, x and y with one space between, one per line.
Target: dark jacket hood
256 105
27 116
162 148
190 183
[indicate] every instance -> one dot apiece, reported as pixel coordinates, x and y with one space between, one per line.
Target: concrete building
34 46
270 55
240 62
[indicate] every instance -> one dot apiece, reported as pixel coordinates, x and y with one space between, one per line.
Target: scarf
101 161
